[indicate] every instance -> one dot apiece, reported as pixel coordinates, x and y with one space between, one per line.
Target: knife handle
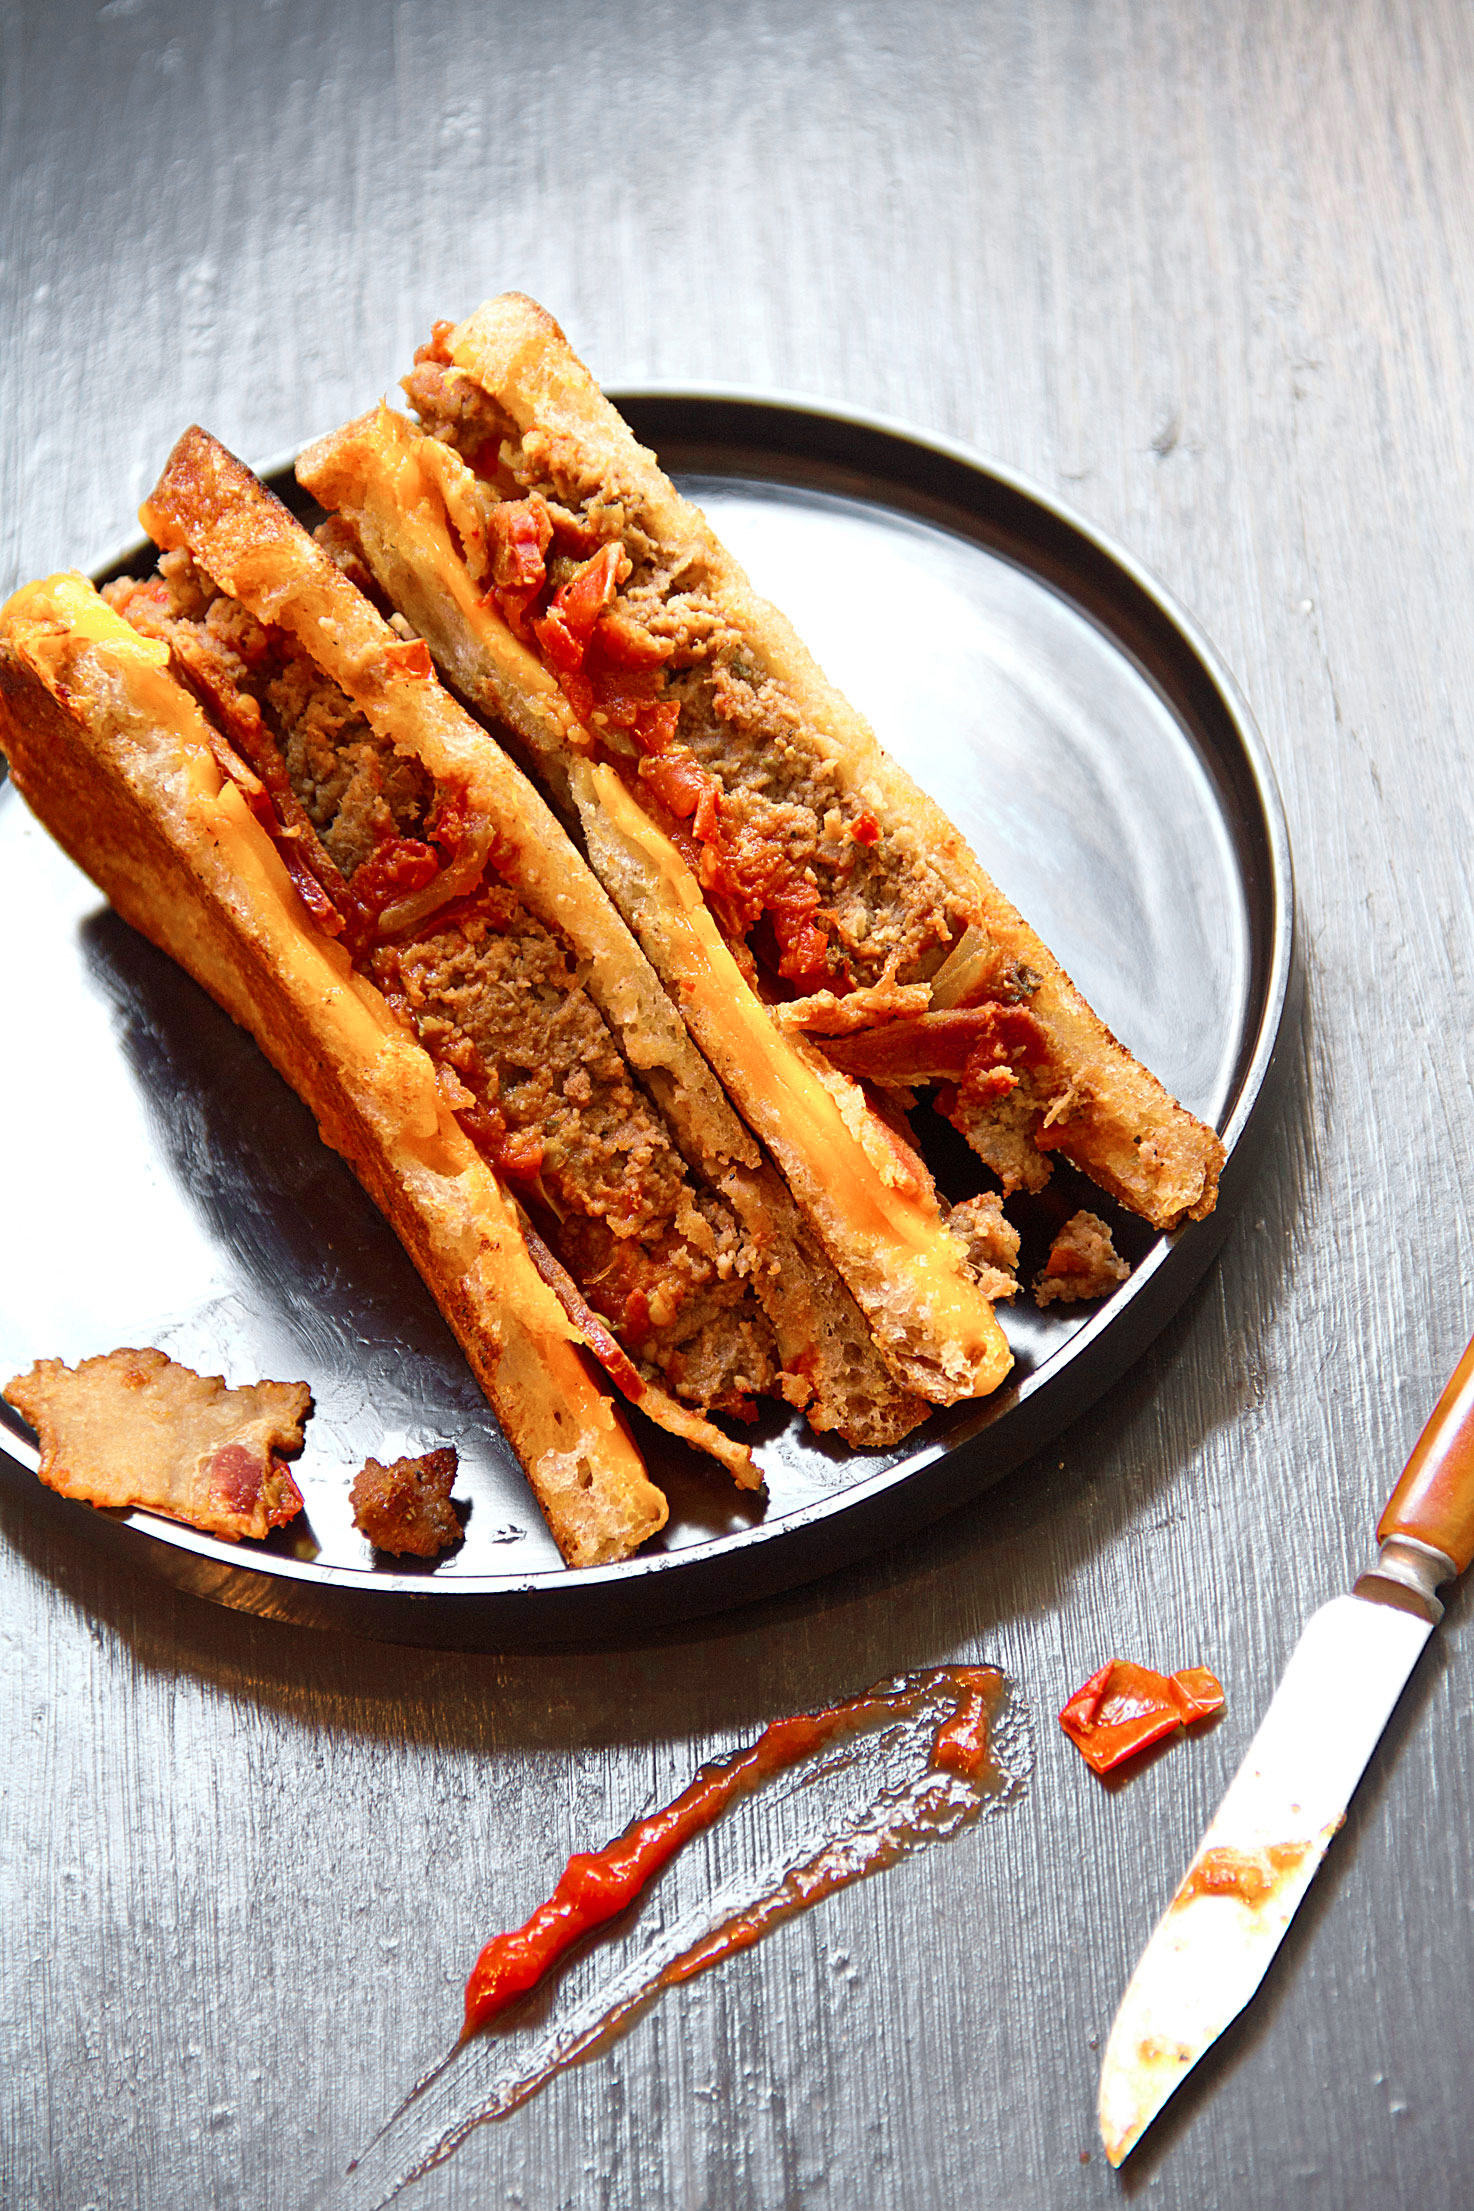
1434 1500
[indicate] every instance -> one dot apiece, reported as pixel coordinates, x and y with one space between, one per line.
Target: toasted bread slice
117 760
210 504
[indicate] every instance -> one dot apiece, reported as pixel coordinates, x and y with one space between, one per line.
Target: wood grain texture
1206 271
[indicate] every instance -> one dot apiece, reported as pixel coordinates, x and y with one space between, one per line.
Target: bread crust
114 758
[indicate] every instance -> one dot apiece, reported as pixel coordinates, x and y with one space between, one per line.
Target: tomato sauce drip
596 1886
1125 1708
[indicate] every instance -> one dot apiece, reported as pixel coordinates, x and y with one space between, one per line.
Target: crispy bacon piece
967 1047
307 885
596 1333
136 1428
246 752
309 889
678 1419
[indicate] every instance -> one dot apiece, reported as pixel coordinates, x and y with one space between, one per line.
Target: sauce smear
850 1790
598 1885
1251 1876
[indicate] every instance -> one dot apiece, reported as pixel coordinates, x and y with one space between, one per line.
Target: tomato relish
1125 1708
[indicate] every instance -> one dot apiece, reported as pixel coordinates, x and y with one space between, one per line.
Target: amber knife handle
1433 1503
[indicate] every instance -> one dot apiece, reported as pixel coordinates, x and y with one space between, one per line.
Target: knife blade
1265 1844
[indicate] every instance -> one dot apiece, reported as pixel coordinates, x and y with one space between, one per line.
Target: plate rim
657 1589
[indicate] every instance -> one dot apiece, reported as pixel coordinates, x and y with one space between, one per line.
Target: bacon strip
937 1047
677 1419
596 1332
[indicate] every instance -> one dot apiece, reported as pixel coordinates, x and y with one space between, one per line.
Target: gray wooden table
1205 272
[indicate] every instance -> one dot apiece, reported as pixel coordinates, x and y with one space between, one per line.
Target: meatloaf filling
794 866
497 1000
494 995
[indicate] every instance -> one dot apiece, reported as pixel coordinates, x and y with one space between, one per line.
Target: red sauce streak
1125 1708
598 1885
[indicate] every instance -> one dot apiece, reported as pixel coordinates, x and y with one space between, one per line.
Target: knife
1254 1865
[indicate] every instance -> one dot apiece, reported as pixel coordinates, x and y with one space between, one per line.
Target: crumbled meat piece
1082 1263
992 1243
455 409
498 1001
1001 1129
356 789
886 909
405 1506
136 1428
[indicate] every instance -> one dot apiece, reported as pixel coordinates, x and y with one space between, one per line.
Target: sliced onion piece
971 962
456 880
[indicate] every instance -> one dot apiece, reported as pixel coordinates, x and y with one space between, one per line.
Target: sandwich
263 773
834 945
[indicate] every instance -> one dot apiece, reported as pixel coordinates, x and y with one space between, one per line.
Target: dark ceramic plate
166 1188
